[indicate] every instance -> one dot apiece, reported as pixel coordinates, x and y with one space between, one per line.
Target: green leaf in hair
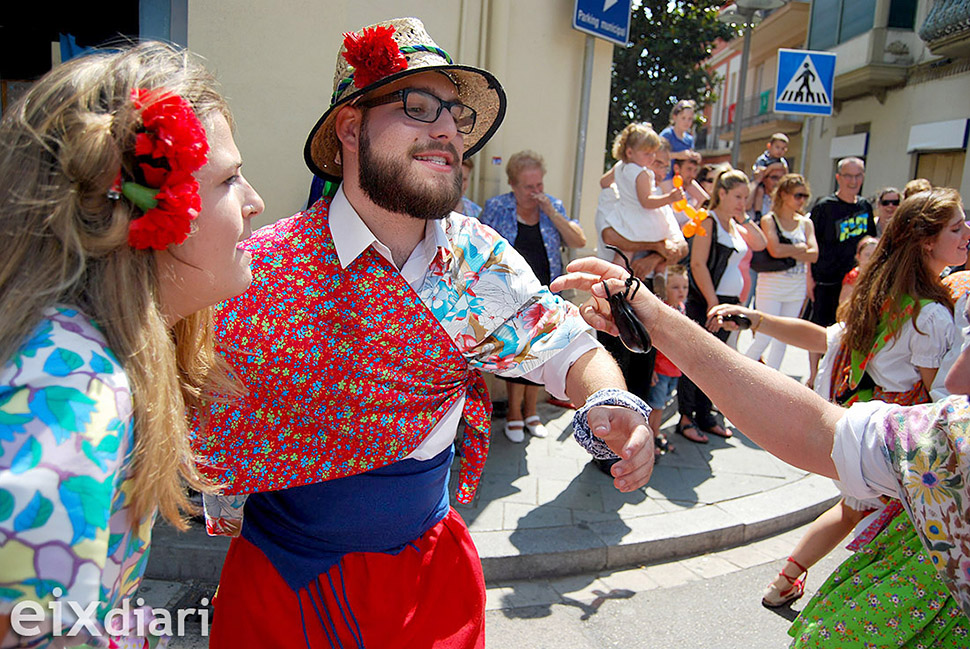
143 197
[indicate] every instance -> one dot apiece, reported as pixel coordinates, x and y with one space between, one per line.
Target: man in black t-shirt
840 220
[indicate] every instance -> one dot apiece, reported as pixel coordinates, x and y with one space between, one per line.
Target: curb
591 547
566 549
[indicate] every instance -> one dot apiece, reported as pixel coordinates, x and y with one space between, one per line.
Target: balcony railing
946 30
757 111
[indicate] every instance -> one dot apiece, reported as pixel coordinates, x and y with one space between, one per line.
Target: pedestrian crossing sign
804 82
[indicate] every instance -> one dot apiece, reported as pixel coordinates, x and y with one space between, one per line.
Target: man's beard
389 184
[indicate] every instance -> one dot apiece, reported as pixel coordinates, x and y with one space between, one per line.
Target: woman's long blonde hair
65 242
898 267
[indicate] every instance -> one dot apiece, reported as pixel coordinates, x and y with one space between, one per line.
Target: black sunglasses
889 202
801 195
425 107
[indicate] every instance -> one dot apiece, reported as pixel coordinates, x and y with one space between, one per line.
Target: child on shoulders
774 152
638 215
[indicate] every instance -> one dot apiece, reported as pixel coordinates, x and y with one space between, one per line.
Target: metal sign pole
581 131
739 102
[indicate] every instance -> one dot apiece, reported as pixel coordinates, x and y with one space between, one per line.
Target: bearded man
362 341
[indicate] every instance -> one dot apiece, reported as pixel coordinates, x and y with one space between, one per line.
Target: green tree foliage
669 40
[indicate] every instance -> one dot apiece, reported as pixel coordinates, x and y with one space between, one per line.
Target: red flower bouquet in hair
177 204
374 54
172 130
170 148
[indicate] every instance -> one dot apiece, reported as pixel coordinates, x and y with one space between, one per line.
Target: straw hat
389 51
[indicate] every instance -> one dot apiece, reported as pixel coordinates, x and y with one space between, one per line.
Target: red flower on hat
374 54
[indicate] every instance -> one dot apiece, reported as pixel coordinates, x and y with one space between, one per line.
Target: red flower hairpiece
374 54
170 148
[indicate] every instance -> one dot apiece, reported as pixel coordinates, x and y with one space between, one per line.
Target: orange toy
696 216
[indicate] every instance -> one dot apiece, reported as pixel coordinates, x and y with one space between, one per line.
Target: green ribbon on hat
407 49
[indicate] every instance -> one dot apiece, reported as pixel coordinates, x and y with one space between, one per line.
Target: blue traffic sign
606 19
804 82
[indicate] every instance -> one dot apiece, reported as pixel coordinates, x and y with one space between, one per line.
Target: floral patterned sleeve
490 301
65 432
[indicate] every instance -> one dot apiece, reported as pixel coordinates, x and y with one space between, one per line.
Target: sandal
775 597
697 436
534 425
711 429
662 445
515 431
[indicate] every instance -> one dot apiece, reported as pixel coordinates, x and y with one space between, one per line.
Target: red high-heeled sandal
775 598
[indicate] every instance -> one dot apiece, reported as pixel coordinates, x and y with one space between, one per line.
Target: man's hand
627 435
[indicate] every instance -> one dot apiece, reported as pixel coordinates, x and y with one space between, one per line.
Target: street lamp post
746 13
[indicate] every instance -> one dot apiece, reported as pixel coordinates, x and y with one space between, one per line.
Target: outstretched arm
673 250
791 331
754 397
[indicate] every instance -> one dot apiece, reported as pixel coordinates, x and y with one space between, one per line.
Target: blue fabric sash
305 531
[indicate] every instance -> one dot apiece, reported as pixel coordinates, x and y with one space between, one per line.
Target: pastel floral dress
66 441
910 585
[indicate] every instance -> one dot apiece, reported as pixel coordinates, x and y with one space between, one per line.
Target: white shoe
514 430
534 425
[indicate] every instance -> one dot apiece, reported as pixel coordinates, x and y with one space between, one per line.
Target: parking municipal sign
804 82
606 19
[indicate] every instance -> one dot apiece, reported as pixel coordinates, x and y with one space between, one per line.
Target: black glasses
425 107
884 203
801 196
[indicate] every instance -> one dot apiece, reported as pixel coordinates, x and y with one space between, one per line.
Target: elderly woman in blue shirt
536 225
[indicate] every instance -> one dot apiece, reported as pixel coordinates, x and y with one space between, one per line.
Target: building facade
902 91
275 60
901 96
786 27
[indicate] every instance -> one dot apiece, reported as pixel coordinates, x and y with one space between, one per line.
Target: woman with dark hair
791 246
907 583
886 203
715 278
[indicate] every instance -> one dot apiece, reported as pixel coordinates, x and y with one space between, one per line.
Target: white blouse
894 368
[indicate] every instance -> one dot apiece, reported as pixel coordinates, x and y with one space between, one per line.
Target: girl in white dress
638 215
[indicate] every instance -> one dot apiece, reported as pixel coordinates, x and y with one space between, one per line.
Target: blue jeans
661 392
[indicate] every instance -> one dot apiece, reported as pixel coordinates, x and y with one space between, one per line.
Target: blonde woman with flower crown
121 209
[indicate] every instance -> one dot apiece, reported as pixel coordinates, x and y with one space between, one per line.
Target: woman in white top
783 292
715 277
911 453
902 314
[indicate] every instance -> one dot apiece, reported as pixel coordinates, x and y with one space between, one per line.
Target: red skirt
428 595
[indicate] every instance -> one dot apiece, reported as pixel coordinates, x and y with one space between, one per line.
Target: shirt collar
351 236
